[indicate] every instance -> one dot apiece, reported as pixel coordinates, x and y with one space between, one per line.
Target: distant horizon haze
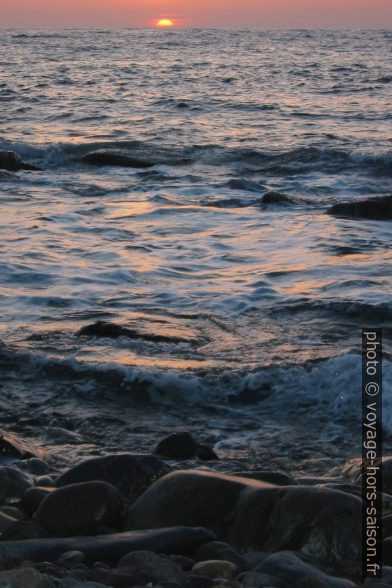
337 14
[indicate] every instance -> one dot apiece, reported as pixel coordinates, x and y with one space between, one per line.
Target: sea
241 319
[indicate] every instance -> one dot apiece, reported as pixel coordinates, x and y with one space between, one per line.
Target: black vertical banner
371 453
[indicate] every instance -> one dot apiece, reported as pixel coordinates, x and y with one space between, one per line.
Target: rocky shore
132 520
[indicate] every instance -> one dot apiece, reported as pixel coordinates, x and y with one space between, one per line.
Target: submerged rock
131 474
377 208
139 156
277 198
107 548
12 448
182 445
11 161
247 514
80 509
25 578
115 157
108 330
161 568
13 484
291 570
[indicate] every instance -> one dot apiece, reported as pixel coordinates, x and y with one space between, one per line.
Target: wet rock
21 530
80 509
5 175
107 548
379 208
278 478
5 522
185 563
291 569
217 550
115 157
104 329
12 448
277 198
195 581
13 484
182 445
11 161
13 512
131 474
71 558
352 470
254 558
161 568
215 569
252 515
24 578
33 497
258 580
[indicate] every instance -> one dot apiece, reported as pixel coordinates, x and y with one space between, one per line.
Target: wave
297 160
350 309
328 388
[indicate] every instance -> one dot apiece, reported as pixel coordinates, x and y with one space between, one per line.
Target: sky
197 13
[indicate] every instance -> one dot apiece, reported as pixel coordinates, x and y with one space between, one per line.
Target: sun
165 22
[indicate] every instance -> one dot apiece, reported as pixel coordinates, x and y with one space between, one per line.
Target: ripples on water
260 296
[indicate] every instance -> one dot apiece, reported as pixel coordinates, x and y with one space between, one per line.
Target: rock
11 161
24 578
161 568
195 581
33 497
251 515
107 548
254 558
71 583
217 550
71 558
185 563
21 530
291 569
13 512
5 522
104 329
277 198
257 580
352 470
36 466
215 568
378 208
115 157
12 448
80 509
182 445
278 478
130 474
13 484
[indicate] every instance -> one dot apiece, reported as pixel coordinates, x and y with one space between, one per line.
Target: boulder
352 470
21 530
13 484
290 569
160 568
182 445
12 448
5 522
131 474
218 550
251 515
376 208
115 157
258 580
80 509
278 478
33 497
215 568
24 578
136 156
11 161
107 548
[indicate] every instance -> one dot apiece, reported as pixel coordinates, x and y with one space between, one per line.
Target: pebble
216 569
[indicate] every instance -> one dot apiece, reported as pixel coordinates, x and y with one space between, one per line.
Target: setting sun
165 22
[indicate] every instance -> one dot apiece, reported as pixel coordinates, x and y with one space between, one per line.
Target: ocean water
246 318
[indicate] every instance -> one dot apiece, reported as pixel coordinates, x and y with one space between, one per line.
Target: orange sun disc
165 22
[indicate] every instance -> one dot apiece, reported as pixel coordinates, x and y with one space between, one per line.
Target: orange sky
210 13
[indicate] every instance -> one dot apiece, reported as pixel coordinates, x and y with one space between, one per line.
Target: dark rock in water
25 578
115 157
278 478
107 548
12 448
378 208
107 330
222 551
130 474
11 161
277 198
80 509
182 445
22 530
13 484
252 515
33 497
5 175
161 568
291 569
